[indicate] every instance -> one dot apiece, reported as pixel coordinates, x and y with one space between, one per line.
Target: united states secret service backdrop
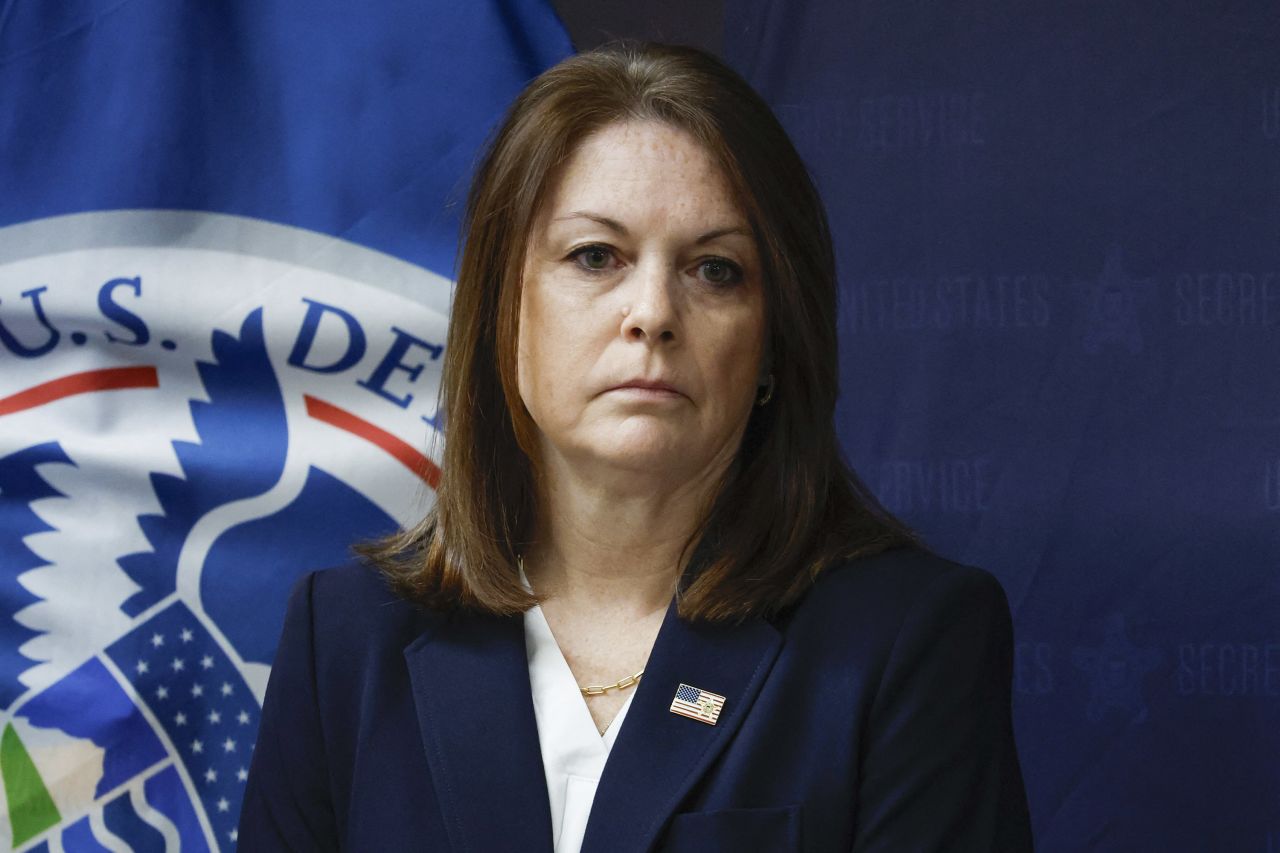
1059 239
228 232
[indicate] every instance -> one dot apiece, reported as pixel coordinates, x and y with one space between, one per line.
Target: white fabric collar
573 751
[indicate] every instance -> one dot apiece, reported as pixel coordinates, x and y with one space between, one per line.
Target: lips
653 385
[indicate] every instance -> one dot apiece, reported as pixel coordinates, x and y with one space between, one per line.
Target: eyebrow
622 229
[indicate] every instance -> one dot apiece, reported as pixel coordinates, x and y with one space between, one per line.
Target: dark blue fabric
355 120
1060 323
873 716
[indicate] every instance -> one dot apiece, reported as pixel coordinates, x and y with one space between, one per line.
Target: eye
596 258
721 272
592 258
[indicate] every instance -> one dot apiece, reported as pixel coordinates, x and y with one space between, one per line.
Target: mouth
655 389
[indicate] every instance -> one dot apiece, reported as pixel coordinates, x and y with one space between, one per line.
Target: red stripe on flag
408 456
108 379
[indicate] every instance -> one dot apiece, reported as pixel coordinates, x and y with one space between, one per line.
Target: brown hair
789 507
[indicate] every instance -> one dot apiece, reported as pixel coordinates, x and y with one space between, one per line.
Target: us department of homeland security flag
226 236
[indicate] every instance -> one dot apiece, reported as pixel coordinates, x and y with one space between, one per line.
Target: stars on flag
697 704
199 691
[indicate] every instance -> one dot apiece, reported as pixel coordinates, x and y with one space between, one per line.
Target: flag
697 704
226 239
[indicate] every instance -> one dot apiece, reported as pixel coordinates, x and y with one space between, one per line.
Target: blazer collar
470 682
659 756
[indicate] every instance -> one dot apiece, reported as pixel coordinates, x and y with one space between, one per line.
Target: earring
768 391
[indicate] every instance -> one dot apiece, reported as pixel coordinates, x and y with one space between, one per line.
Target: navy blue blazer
872 716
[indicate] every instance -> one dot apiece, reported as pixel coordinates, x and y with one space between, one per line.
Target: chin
645 451
645 459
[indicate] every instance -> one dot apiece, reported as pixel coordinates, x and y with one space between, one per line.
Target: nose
651 314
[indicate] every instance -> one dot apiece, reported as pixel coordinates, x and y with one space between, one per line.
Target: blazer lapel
659 755
470 678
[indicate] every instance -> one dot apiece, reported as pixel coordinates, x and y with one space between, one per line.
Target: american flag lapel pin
696 704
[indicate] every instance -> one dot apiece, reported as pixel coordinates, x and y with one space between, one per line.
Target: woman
644 523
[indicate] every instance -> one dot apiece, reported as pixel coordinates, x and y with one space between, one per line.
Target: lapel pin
697 704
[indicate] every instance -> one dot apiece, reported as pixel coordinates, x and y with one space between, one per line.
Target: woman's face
641 271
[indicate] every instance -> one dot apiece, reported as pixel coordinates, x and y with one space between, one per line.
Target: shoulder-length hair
789 507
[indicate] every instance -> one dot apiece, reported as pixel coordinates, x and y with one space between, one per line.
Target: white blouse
573 750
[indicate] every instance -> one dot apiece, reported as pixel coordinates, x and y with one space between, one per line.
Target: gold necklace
596 689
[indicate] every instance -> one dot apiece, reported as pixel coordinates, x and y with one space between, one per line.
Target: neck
614 545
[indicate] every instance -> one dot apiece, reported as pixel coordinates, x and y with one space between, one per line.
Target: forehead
643 170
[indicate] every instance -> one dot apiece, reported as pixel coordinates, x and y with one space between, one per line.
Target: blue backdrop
226 236
1058 230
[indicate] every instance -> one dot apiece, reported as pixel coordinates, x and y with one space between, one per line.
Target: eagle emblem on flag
697 704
